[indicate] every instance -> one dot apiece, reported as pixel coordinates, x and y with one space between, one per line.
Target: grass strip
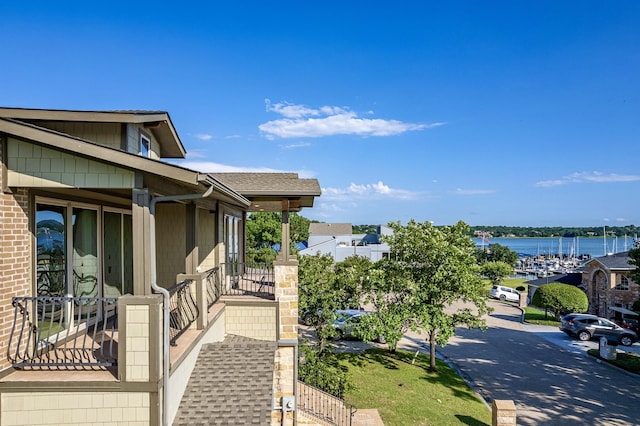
406 393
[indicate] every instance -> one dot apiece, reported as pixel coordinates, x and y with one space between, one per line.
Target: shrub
636 306
560 298
521 288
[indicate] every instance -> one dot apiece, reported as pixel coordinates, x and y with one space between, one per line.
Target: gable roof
267 191
330 229
617 261
157 122
88 149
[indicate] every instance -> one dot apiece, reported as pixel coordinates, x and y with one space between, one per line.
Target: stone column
285 373
503 413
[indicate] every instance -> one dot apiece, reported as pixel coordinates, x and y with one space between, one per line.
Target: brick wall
15 278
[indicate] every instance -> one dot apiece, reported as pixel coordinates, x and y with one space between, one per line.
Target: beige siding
75 408
133 141
255 322
170 242
107 134
206 239
31 165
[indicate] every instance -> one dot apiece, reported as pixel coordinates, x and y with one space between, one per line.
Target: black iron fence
324 406
213 285
183 309
59 331
249 279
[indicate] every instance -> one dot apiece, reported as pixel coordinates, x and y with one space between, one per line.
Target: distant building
608 284
338 240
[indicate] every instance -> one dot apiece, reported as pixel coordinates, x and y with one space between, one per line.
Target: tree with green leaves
634 259
318 296
497 253
436 266
560 299
496 271
352 275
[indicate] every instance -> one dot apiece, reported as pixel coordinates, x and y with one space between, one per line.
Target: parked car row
586 327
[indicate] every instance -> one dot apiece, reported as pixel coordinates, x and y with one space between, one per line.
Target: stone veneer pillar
285 374
503 413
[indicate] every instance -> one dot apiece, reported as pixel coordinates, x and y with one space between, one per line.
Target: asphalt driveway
551 381
547 374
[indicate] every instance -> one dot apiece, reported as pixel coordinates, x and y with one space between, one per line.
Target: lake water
595 247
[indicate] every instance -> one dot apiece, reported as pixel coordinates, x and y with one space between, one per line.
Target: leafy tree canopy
431 279
560 298
497 253
496 271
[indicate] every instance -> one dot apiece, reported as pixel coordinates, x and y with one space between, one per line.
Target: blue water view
571 247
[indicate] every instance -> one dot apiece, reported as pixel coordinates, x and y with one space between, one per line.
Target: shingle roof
619 261
573 278
269 183
231 384
330 229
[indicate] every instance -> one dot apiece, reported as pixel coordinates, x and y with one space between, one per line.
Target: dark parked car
586 327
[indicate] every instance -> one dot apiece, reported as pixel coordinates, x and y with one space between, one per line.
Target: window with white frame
622 283
145 145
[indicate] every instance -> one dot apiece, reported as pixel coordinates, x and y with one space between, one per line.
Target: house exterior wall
206 239
107 134
15 251
256 320
31 165
75 408
601 290
170 242
133 141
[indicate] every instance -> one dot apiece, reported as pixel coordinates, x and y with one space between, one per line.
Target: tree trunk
432 352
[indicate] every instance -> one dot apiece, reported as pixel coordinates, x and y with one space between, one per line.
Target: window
145 145
622 283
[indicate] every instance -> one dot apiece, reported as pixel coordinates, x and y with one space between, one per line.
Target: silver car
586 327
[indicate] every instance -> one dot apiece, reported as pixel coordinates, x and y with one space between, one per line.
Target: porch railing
324 406
249 279
212 283
59 331
183 309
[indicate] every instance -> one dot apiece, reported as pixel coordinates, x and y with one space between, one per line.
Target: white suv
504 293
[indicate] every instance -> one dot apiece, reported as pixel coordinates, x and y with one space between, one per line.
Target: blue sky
491 112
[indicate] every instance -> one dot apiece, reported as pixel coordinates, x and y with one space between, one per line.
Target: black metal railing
59 331
183 309
249 279
212 282
324 406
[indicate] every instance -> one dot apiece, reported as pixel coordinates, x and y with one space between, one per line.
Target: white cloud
461 191
620 219
300 121
203 136
296 145
586 177
367 191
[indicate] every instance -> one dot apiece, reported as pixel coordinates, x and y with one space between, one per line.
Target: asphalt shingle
231 384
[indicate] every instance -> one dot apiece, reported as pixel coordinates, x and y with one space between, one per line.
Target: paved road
548 375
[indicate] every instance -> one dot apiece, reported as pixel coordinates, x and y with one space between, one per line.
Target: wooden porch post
285 244
141 242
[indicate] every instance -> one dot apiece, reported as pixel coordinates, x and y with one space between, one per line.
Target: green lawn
537 316
407 394
625 360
